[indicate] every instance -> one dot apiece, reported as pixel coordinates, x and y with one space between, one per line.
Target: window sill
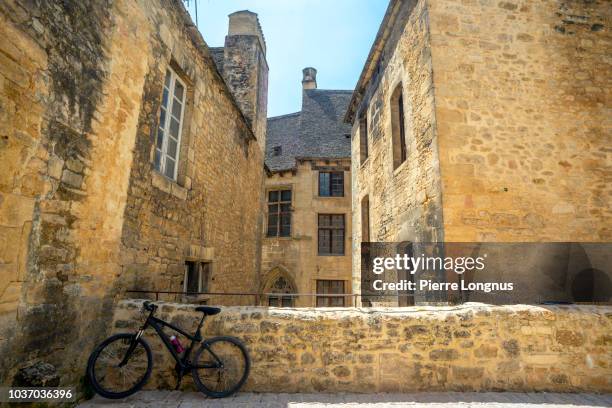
168 186
331 254
279 238
326 197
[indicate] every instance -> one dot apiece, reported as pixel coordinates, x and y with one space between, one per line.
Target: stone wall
470 347
65 159
507 107
212 213
82 214
522 94
406 202
296 258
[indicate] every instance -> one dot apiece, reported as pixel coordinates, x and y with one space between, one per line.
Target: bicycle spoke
115 378
228 366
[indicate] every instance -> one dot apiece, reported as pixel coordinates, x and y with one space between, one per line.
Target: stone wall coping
437 312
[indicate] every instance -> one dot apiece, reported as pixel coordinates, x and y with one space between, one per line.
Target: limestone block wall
69 86
212 212
405 203
83 216
469 347
522 93
296 258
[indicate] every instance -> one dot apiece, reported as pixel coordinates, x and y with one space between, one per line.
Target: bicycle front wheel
120 366
221 366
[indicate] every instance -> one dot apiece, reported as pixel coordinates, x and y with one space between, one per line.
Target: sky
333 36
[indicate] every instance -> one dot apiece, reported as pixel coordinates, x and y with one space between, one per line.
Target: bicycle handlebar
149 306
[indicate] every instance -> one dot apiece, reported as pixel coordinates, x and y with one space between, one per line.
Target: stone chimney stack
245 69
309 80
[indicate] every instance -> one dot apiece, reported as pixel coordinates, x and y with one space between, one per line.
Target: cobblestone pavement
175 399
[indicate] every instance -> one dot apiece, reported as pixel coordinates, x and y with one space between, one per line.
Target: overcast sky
334 36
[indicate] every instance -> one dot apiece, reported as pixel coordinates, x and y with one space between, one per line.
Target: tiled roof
318 131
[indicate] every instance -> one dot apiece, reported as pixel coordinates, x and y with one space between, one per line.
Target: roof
384 31
318 131
217 55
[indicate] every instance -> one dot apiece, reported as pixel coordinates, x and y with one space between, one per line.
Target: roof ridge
331 90
285 115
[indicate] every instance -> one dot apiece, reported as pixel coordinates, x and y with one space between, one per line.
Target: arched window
279 287
398 127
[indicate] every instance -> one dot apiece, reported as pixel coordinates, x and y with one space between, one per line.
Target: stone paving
176 399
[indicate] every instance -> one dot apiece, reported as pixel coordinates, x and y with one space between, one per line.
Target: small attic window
347 135
278 150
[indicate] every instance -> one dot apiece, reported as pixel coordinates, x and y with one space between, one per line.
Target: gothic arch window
278 293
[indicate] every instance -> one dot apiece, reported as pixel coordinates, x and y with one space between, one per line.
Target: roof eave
379 44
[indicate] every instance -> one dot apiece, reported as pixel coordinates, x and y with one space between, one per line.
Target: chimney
309 81
246 22
245 69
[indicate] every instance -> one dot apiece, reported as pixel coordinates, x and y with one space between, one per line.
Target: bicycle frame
183 364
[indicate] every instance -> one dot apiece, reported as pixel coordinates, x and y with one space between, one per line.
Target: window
365 219
280 291
363 136
168 140
398 127
197 275
331 234
278 150
331 184
330 287
279 213
406 296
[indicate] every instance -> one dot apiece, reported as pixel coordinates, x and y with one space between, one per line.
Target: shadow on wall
546 273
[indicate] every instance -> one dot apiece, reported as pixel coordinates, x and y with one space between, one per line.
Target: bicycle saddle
207 310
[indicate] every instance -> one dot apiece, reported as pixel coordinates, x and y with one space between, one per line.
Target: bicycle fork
131 349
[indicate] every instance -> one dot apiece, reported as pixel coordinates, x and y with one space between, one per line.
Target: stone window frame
185 158
364 151
330 187
279 296
267 212
399 140
328 299
331 227
203 287
205 296
172 82
365 218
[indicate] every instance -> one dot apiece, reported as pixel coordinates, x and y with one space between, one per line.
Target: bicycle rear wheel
222 366
111 380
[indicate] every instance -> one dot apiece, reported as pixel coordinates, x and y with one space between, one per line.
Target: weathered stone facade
83 214
507 137
300 146
295 258
522 96
469 347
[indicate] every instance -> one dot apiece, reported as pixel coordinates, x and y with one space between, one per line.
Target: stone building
118 132
484 121
306 245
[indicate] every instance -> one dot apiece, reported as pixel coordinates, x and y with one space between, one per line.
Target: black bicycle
122 364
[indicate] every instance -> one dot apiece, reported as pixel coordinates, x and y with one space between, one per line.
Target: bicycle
121 365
